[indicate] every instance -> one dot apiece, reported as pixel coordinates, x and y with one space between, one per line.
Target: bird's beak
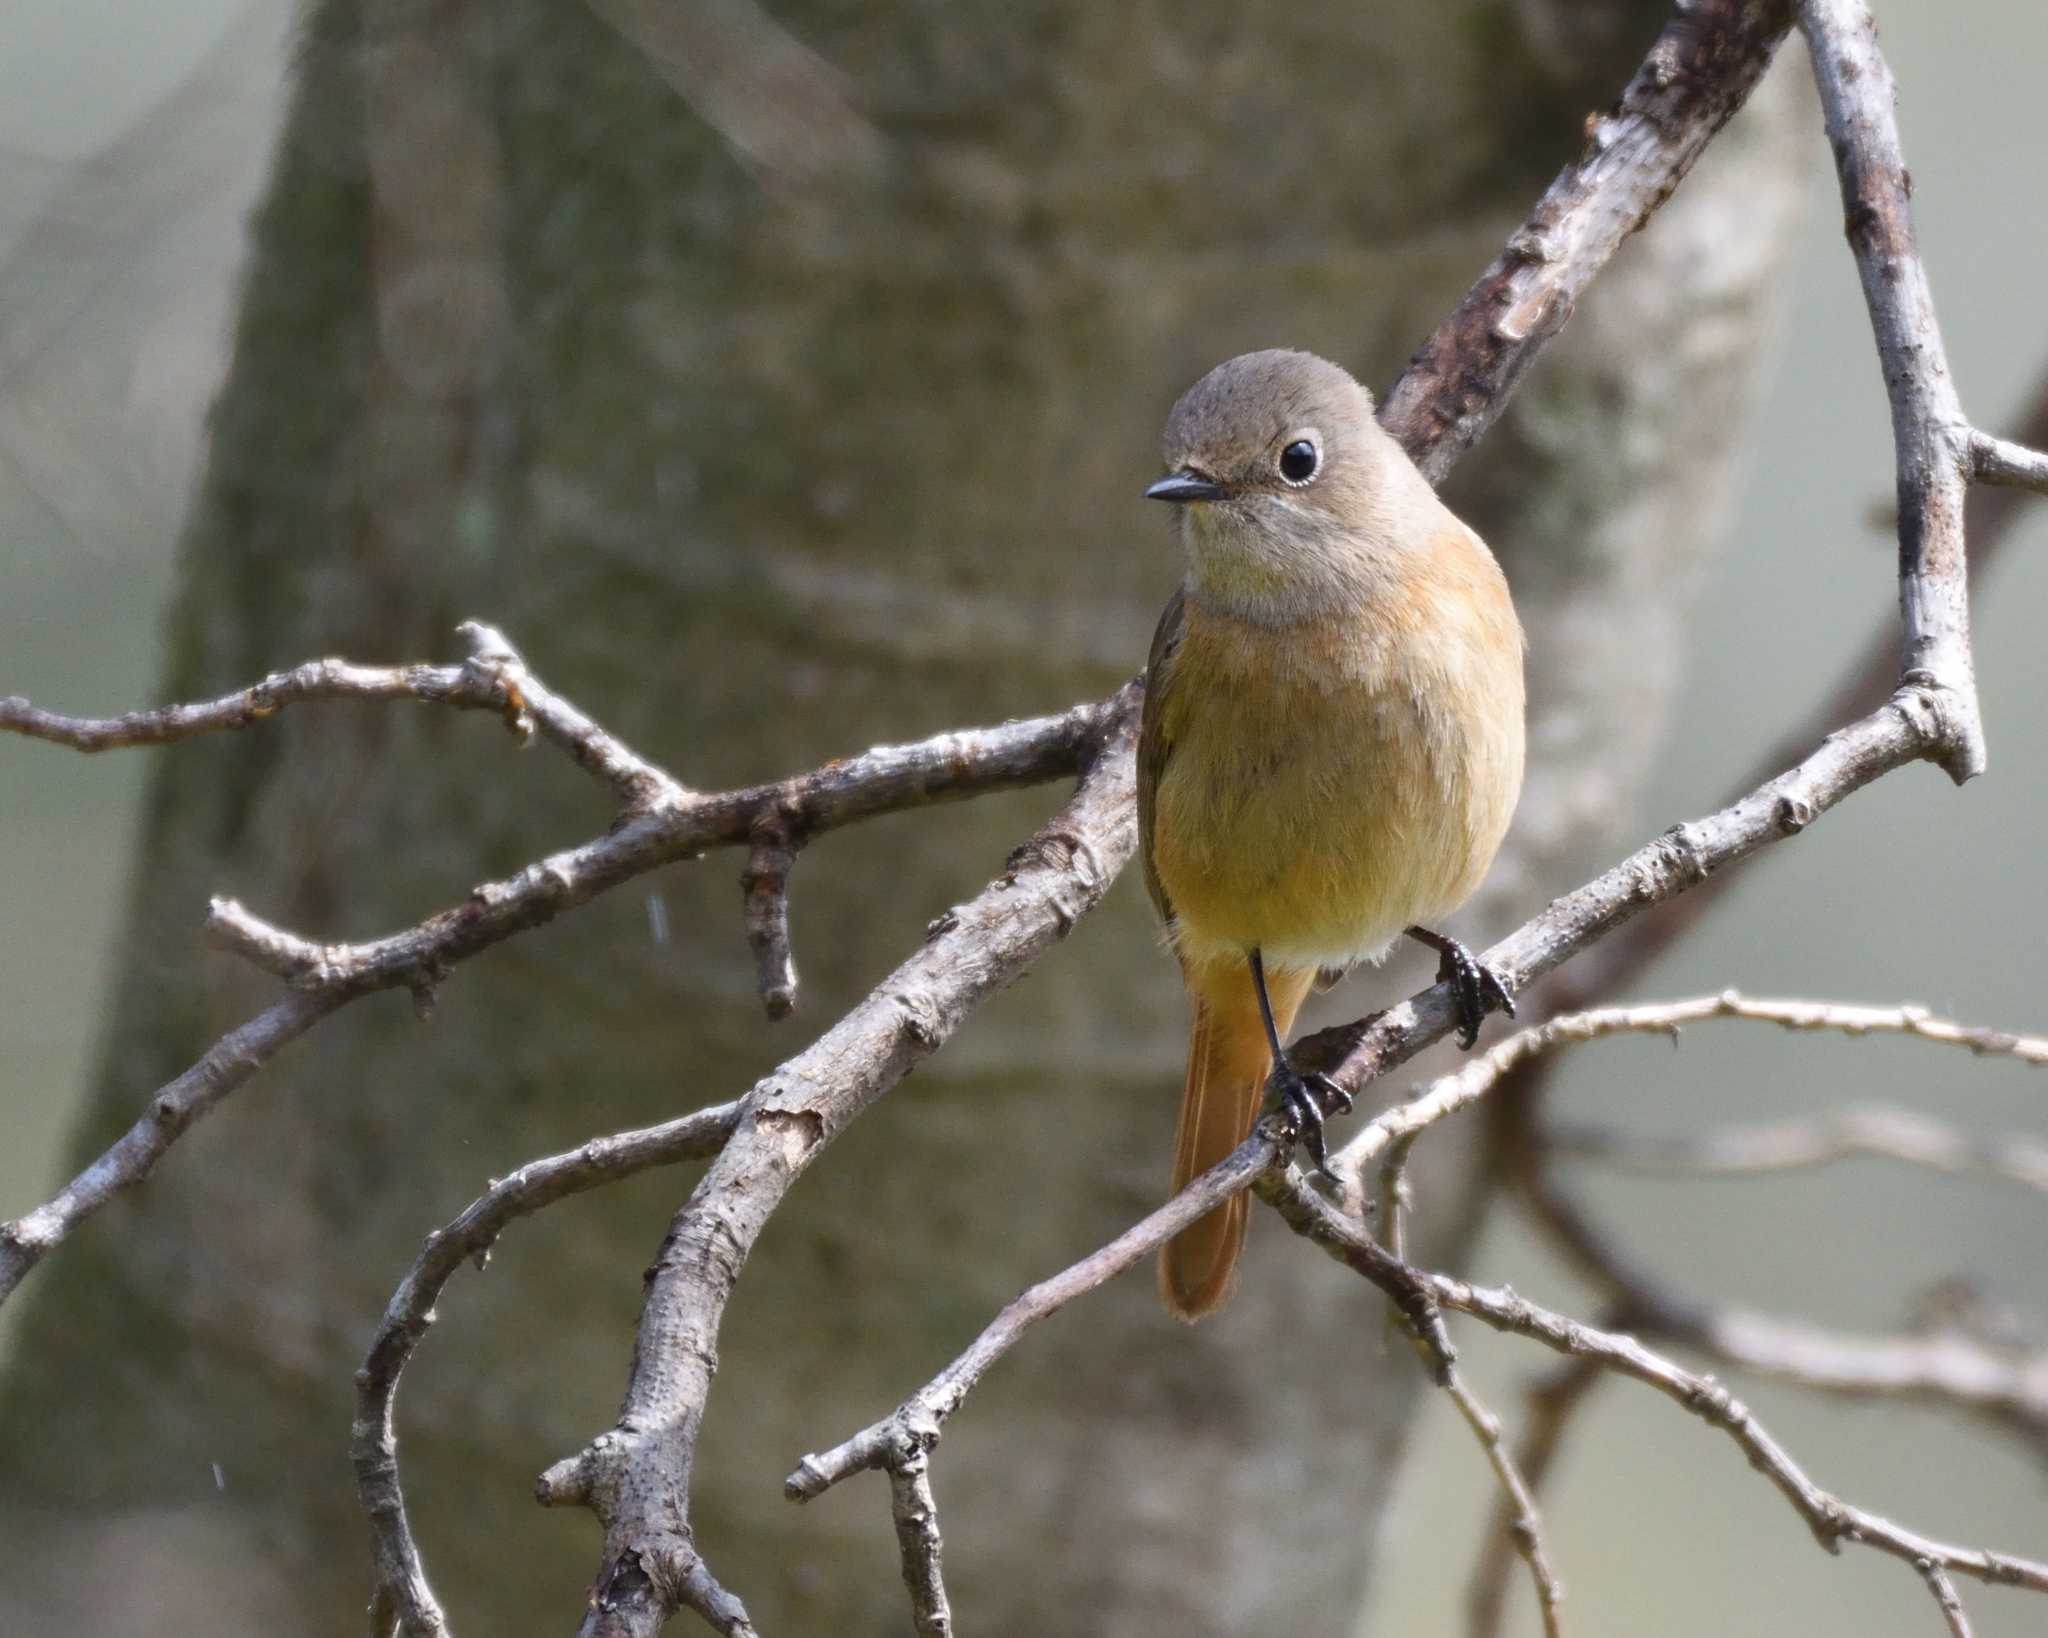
1184 485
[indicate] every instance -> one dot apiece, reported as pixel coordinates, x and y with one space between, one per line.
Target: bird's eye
1298 461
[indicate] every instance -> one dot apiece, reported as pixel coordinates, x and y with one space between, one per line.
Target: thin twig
765 887
917 1535
1519 1521
1466 1085
1935 450
172 1109
1522 1522
919 1419
1875 1132
1945 1595
1949 1368
1551 1401
1833 1521
494 678
1994 460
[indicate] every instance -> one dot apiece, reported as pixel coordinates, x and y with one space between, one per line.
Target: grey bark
777 409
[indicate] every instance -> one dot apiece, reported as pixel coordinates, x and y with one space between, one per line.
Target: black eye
1298 461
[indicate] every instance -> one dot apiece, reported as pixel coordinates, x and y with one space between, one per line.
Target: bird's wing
1153 745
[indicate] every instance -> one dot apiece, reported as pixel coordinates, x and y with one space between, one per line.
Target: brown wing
1153 745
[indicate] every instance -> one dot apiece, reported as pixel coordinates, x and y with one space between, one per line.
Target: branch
172 1109
1936 451
917 1422
1911 726
1993 460
673 825
1874 1132
1520 1521
1453 1092
404 1598
636 1477
1551 1402
1950 1369
494 678
1703 66
765 887
1832 1521
1944 1591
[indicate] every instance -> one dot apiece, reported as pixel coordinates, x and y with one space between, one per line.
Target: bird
1330 748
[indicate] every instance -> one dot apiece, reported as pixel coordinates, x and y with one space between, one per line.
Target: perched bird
1331 746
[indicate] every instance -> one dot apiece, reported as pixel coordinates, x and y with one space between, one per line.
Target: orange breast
1330 783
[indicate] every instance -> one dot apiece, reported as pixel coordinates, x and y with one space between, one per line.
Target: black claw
1479 988
1295 1092
1297 1096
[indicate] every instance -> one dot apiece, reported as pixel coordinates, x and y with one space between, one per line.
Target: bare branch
1934 447
1993 460
1909 727
1944 1591
1865 682
494 678
1702 68
172 1108
1518 1522
1551 1401
1945 1368
1875 1132
1466 1085
325 977
765 886
401 1577
1522 1521
917 1534
1832 1520
636 1477
917 1422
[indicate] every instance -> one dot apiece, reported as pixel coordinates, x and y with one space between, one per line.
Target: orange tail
1228 1063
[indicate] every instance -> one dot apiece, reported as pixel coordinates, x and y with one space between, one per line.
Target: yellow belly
1313 805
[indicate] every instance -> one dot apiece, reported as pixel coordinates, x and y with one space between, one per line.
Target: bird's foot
1478 987
1300 1098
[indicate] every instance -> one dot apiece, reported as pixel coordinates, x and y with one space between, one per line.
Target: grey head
1288 488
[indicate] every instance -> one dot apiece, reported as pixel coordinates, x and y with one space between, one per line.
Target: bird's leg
1479 988
1296 1091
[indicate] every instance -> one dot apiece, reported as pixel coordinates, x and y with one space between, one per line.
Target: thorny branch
637 1476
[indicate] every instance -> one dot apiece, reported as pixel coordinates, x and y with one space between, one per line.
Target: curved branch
1936 451
636 1478
405 1601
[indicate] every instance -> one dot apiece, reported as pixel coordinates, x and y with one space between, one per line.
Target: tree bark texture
779 389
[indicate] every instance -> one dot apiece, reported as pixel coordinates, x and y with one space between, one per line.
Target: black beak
1184 485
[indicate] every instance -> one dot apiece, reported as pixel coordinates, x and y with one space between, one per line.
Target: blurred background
554 320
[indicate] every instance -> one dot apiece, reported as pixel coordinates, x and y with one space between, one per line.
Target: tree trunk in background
775 413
